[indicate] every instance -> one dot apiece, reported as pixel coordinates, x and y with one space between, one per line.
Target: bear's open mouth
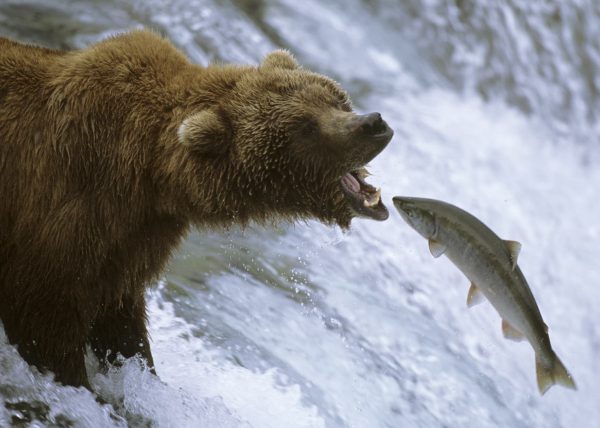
364 199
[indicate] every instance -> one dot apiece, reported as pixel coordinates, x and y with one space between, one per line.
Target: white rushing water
306 326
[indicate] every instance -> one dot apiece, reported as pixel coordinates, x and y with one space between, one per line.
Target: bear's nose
371 124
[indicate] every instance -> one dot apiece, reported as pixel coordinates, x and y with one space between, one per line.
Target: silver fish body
491 265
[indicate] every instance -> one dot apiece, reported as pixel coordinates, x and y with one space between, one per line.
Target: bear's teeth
363 173
373 199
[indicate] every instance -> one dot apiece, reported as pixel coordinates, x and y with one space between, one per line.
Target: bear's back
23 67
25 71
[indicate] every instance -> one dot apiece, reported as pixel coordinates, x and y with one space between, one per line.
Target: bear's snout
369 135
372 125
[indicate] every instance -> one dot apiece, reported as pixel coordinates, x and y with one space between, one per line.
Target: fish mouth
364 199
400 203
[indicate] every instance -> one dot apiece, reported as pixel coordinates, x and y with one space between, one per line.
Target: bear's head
291 145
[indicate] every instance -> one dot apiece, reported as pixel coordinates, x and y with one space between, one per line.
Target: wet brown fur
99 180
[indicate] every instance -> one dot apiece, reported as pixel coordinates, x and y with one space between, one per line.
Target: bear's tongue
364 199
368 195
351 182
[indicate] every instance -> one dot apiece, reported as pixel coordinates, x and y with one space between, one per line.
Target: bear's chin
363 199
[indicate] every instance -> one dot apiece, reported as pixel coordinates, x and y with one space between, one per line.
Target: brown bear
108 155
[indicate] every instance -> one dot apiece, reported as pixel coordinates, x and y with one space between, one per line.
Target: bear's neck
217 192
206 191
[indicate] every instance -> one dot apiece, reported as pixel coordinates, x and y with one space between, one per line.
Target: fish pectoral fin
474 296
514 248
511 333
436 248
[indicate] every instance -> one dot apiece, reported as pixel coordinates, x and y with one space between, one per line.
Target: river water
494 106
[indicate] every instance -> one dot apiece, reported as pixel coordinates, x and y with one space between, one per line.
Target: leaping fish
490 263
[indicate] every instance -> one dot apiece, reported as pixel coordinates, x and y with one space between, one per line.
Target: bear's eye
343 103
345 106
309 127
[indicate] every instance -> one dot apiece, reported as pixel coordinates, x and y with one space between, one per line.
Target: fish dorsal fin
475 296
511 333
436 248
514 248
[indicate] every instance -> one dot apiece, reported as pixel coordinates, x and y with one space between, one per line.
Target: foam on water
184 360
198 387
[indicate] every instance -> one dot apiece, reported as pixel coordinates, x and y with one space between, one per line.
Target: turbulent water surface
495 107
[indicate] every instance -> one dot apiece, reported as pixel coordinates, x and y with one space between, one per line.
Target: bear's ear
280 59
205 132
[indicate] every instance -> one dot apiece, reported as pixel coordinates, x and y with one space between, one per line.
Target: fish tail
556 373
